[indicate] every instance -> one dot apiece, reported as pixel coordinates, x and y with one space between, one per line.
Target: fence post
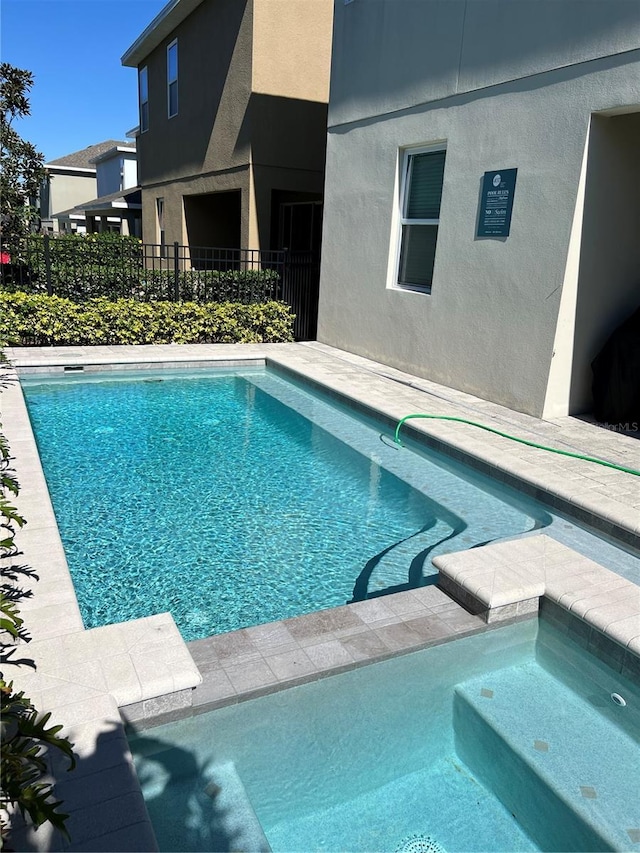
47 264
285 289
176 272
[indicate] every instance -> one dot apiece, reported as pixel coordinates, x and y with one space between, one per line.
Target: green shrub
203 286
41 320
83 267
26 744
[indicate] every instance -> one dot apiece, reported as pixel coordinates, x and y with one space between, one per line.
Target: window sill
413 288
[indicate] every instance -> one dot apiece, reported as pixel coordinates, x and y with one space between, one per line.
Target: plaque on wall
496 203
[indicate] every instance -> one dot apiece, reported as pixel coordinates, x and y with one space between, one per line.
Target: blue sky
82 94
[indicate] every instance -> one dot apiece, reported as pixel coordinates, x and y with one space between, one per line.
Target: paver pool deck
143 673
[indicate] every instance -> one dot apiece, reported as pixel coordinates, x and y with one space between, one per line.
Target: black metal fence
81 269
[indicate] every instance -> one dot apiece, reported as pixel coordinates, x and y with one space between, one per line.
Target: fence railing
84 269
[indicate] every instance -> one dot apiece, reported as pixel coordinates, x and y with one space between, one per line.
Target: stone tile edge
550 495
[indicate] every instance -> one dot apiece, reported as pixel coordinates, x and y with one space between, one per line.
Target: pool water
505 741
234 498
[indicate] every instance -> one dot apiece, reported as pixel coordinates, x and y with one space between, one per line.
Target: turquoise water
354 762
448 743
235 498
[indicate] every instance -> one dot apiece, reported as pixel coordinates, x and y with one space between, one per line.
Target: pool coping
255 661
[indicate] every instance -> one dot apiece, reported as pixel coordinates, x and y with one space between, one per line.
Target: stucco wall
488 326
391 54
205 147
66 191
223 127
174 216
109 175
116 173
292 48
504 85
214 84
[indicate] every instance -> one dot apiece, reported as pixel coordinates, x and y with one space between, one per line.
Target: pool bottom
279 505
445 803
503 741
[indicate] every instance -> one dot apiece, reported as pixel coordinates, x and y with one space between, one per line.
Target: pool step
570 777
208 809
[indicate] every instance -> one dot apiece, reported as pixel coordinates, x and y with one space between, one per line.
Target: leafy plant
41 320
85 266
25 739
23 731
21 166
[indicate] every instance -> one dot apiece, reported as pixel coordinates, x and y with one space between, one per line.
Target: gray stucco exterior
550 88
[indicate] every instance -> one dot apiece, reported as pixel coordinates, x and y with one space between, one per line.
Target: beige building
233 107
431 103
69 181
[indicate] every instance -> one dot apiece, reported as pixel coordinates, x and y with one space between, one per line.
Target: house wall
116 173
65 191
288 108
176 195
109 176
205 147
253 85
504 85
388 55
292 48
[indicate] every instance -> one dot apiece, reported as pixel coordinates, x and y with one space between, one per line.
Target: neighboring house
420 268
233 107
118 206
69 181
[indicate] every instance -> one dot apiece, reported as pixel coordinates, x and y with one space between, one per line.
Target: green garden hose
396 439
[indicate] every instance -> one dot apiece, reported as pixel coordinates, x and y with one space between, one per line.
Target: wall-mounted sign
496 203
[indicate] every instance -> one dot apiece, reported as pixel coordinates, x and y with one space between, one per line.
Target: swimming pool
232 498
213 497
507 740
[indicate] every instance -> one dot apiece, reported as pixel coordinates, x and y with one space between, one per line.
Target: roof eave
162 26
113 152
89 170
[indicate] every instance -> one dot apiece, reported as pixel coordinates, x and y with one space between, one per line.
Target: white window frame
144 72
402 219
160 226
172 81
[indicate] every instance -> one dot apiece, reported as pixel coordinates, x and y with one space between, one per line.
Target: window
420 216
143 92
172 78
161 237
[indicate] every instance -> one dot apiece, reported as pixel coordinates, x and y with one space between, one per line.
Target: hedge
83 267
41 320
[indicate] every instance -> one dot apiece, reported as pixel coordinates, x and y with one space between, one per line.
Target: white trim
558 393
171 44
396 230
112 152
53 167
398 219
144 69
160 28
